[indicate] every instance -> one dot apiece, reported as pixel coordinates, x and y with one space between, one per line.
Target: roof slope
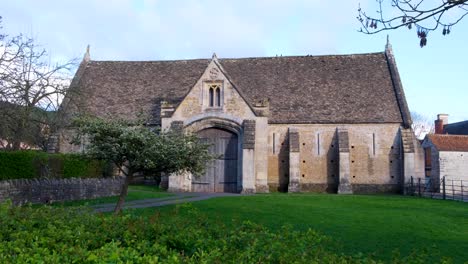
449 142
302 89
125 88
459 128
320 89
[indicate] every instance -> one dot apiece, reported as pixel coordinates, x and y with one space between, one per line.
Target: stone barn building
337 123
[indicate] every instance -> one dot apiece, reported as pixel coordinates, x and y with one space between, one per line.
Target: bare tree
31 89
424 15
422 125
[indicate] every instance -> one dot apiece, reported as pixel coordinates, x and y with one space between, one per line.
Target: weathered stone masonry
22 191
337 123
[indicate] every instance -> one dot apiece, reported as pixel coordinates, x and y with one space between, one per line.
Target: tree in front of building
422 15
133 149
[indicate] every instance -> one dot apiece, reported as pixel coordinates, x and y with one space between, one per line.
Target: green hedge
35 164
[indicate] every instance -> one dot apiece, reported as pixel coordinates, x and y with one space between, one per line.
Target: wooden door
221 173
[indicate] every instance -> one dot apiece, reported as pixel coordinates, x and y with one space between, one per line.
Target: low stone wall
21 191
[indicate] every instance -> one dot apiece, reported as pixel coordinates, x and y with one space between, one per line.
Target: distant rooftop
449 142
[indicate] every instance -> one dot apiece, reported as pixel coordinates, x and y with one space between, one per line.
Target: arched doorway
221 173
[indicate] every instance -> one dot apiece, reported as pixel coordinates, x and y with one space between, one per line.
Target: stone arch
214 122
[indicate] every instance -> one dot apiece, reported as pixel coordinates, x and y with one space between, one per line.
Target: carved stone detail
214 73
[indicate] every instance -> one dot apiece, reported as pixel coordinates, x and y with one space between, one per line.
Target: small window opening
211 92
373 144
318 144
218 97
274 143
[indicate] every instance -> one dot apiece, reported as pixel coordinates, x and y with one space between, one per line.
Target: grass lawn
135 192
369 224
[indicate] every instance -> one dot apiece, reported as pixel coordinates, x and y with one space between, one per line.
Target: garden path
155 202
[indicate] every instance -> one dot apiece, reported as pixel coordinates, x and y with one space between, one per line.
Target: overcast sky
435 78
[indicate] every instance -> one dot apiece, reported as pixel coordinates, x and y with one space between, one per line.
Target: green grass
135 192
361 224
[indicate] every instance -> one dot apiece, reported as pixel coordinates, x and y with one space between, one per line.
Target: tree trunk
20 129
123 192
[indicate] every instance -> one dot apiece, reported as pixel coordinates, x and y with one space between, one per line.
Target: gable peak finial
214 57
388 46
87 56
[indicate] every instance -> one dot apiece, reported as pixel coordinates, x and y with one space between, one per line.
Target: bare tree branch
424 15
30 90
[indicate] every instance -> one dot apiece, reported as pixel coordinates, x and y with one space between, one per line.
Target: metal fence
446 189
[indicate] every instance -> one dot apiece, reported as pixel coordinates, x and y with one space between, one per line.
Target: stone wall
374 153
453 165
21 191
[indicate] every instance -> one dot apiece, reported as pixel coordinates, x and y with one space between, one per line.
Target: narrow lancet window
274 139
373 144
218 97
211 92
318 144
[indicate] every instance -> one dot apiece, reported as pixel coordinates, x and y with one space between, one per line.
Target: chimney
442 120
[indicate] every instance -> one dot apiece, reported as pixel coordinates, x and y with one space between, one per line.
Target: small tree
133 148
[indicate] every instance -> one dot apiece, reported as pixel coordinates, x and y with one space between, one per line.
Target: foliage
28 164
424 15
29 83
134 148
64 235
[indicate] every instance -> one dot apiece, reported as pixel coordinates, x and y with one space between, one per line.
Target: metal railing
446 189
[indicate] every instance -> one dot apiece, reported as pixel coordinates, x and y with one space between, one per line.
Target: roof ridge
244 58
306 56
146 61
447 135
456 123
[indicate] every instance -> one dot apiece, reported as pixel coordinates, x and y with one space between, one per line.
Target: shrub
64 235
21 164
35 164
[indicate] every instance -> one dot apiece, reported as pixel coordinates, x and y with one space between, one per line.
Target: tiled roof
301 89
449 142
